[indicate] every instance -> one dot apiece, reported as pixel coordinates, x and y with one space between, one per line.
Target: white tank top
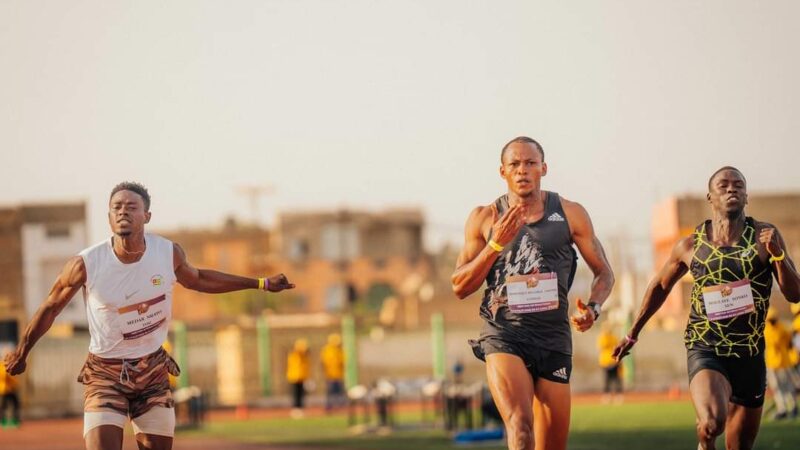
128 306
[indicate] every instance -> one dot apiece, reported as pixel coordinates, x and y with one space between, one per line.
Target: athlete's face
728 193
523 168
126 213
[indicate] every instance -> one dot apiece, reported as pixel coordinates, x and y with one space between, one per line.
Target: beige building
676 217
233 248
372 264
36 241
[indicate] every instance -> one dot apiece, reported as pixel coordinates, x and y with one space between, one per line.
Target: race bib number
728 300
142 318
532 293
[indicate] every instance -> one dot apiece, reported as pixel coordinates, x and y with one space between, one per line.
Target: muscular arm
71 278
661 285
784 271
214 282
475 259
592 251
657 291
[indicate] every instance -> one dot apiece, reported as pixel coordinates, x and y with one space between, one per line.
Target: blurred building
36 242
354 260
234 248
372 264
677 217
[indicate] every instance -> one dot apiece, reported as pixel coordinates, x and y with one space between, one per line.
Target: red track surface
65 434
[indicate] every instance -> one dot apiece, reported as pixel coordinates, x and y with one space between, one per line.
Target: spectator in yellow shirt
795 307
297 372
333 365
8 396
606 342
778 345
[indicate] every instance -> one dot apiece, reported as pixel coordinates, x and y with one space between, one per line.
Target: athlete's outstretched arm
477 257
656 293
214 282
592 251
71 278
784 269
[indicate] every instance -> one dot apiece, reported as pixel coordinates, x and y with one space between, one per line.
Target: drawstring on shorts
124 375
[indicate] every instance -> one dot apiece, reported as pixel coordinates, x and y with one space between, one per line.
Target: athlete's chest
119 286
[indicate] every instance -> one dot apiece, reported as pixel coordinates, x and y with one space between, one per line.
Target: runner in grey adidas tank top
521 246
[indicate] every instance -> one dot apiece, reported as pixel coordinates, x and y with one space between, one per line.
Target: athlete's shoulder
575 211
759 225
157 238
93 249
569 204
482 213
684 248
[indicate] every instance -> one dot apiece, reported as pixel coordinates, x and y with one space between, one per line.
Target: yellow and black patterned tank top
738 336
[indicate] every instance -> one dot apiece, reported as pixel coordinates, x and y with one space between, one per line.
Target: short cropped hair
133 187
722 169
521 140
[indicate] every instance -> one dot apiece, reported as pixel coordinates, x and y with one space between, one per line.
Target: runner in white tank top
128 282
128 305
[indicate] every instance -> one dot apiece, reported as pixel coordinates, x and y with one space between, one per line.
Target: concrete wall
51 388
44 254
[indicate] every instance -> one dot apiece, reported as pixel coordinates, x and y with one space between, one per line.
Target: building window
298 250
340 242
335 297
57 230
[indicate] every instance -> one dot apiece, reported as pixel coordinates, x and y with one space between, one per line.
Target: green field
650 426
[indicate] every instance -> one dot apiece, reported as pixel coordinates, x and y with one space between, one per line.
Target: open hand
583 318
505 229
623 349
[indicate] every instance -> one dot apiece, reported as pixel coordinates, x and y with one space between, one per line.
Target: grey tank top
542 246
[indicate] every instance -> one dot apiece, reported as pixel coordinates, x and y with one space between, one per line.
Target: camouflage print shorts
128 386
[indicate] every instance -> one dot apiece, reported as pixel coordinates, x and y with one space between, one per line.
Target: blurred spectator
8 396
606 342
332 357
778 342
297 373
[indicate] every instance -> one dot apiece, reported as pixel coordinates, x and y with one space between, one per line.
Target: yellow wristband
495 246
260 284
773 259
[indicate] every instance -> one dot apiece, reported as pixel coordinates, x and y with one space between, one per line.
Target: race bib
142 318
728 300
532 293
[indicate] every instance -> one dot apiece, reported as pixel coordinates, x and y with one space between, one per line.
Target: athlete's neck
129 248
533 200
726 228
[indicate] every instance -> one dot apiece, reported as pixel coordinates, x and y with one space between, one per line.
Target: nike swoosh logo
759 396
131 294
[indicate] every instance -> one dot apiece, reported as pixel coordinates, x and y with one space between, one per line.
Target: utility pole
253 193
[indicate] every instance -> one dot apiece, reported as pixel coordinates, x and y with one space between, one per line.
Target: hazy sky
369 104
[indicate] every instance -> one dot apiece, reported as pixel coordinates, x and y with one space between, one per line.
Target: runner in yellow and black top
732 259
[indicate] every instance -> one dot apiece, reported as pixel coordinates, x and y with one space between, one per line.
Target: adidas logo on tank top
555 217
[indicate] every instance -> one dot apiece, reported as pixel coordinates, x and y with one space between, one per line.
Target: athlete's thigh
711 393
742 427
511 385
155 428
104 437
551 414
153 442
